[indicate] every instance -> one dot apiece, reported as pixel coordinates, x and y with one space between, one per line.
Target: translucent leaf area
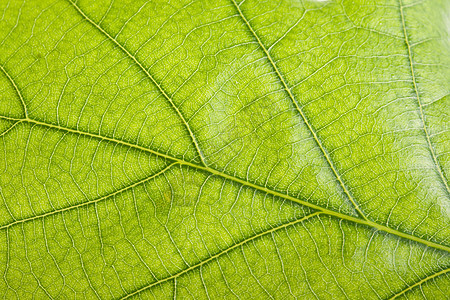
224 149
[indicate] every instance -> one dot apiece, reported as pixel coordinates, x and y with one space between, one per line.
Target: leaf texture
224 149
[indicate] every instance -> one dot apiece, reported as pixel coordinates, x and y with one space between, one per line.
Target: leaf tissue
226 149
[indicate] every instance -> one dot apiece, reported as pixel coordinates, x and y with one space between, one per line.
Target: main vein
245 183
147 73
422 116
303 116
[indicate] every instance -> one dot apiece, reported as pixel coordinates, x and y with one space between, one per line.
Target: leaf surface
224 149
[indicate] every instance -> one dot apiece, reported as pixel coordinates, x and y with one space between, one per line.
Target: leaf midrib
229 177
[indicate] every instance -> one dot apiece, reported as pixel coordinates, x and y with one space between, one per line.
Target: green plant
224 149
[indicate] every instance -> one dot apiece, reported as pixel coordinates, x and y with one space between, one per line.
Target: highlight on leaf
224 149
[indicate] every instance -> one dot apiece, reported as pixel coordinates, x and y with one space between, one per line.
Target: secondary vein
203 262
19 94
305 120
15 222
422 115
419 283
147 73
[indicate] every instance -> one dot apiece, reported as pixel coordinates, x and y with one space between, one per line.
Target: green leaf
224 149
